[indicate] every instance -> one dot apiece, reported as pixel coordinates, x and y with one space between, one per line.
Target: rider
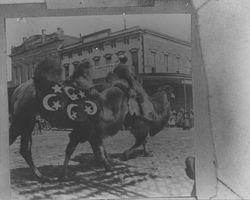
82 77
136 90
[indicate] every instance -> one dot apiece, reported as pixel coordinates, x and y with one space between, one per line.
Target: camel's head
49 70
83 69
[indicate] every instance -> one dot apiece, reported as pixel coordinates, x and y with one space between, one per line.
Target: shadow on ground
87 179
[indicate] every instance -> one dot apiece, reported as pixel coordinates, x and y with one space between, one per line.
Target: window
166 61
21 74
15 75
75 63
113 44
126 40
90 49
79 52
70 55
153 69
119 53
178 63
33 68
66 70
135 61
30 73
101 46
108 58
96 60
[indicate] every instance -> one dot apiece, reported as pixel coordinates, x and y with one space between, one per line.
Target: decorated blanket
64 104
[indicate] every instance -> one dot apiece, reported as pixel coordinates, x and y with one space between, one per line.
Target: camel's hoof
108 167
46 179
125 156
64 178
148 154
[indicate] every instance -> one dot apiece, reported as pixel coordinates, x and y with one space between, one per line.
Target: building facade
25 57
158 58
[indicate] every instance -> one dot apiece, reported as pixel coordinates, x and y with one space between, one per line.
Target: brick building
158 58
33 49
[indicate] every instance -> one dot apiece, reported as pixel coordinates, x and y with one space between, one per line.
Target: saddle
64 104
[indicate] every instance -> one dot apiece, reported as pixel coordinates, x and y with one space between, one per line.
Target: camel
26 101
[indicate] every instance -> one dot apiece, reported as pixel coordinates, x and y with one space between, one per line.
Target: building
33 49
158 58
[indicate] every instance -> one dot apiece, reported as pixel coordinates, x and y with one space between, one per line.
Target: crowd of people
181 119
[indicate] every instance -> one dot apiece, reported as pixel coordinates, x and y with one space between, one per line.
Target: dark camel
24 104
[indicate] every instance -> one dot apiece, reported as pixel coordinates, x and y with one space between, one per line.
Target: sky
176 25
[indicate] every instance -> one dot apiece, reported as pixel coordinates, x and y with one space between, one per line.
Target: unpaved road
162 175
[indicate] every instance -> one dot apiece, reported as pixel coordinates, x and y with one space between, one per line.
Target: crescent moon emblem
45 102
71 96
69 108
93 106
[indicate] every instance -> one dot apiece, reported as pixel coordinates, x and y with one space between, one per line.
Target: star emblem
74 97
57 89
56 105
73 115
88 109
82 94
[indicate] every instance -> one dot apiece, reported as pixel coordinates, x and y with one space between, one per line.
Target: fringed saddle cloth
63 104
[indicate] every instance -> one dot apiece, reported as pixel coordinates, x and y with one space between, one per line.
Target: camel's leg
25 149
107 155
104 157
96 152
130 151
100 152
146 152
69 151
140 132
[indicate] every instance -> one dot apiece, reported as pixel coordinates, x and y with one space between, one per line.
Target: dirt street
162 175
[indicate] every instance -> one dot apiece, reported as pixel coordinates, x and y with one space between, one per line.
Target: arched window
166 61
153 68
30 71
75 63
178 63
135 59
96 60
22 75
119 53
108 58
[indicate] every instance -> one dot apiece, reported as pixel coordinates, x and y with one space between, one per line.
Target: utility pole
124 21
